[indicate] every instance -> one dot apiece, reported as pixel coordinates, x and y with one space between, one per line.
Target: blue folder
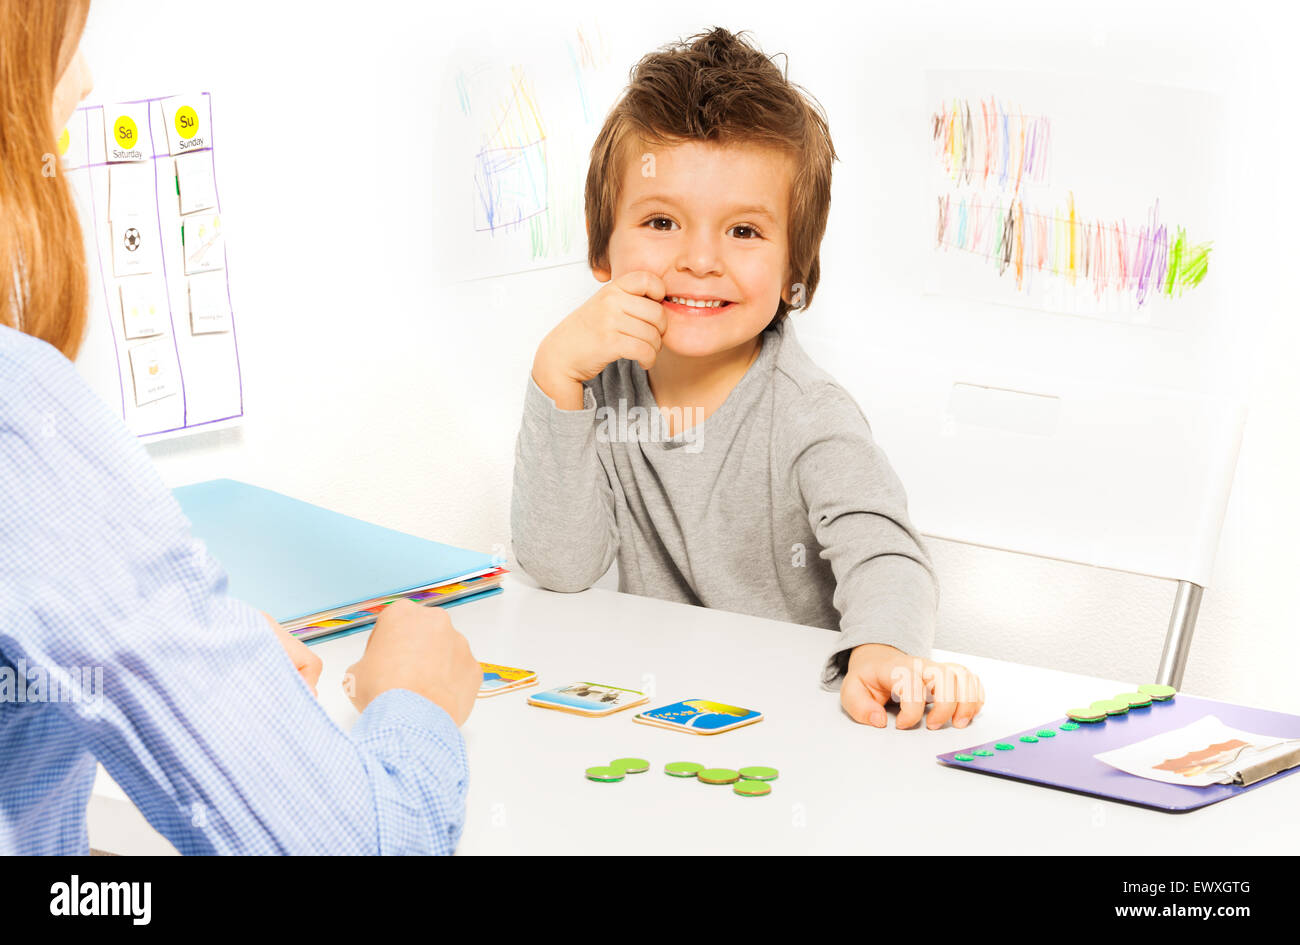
293 559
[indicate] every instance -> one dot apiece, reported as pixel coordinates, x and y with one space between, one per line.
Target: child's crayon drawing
1085 199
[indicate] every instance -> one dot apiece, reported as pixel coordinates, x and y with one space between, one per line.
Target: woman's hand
306 662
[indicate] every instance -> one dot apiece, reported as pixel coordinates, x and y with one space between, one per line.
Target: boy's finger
648 311
642 331
642 283
967 692
940 713
859 704
944 682
634 349
965 712
909 713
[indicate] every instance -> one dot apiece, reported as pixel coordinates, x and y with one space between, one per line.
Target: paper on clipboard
1200 754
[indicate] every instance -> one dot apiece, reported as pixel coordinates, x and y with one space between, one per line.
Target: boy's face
711 222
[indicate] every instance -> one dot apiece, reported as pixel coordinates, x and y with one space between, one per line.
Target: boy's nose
701 257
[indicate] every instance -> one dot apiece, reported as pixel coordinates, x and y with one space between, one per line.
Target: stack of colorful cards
354 616
589 699
700 717
499 679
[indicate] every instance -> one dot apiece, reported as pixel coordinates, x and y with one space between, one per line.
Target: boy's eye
746 232
660 223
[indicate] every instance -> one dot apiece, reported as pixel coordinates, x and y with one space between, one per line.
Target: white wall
379 390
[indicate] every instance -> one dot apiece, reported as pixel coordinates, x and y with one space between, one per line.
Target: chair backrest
1132 480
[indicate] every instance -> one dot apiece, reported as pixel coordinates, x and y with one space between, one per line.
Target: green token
1046 733
683 769
1086 715
718 776
1069 726
1028 739
1158 692
1003 746
964 757
604 773
750 788
630 765
1110 706
759 773
1135 700
983 752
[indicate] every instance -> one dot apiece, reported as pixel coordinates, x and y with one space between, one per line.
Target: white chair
1131 480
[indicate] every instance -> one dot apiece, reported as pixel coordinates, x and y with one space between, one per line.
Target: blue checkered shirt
118 643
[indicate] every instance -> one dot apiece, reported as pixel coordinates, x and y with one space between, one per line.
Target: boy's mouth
696 306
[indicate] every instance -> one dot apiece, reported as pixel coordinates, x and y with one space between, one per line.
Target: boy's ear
600 271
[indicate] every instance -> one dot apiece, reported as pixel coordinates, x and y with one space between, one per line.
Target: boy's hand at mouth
625 319
878 673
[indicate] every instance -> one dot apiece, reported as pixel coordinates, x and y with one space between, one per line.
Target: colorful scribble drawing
532 125
1103 255
510 173
588 54
990 152
991 144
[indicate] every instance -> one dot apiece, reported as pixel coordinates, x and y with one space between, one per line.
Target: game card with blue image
700 717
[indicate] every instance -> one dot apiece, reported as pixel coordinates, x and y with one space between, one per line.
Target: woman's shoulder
57 432
24 357
38 385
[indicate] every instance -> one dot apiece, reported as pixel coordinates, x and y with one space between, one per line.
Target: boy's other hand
416 648
624 319
306 662
878 673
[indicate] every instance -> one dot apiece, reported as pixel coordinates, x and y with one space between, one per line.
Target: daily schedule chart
161 346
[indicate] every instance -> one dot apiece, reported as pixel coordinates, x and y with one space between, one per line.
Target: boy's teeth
695 303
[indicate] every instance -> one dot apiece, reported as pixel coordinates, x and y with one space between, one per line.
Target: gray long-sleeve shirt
779 504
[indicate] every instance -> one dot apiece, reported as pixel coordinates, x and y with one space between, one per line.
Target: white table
844 787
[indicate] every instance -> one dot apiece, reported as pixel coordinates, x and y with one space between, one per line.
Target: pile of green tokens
1145 695
748 782
618 769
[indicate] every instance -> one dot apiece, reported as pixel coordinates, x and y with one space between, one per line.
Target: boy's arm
562 508
885 588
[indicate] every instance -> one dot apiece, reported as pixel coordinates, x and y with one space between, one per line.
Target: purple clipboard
1065 760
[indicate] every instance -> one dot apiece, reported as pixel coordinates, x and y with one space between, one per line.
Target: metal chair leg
1178 638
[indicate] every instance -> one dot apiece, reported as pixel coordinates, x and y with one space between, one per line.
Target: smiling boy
758 487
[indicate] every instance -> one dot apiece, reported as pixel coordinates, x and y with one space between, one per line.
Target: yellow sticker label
65 139
187 122
125 133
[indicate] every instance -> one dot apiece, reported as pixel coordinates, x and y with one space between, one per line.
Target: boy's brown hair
719 88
